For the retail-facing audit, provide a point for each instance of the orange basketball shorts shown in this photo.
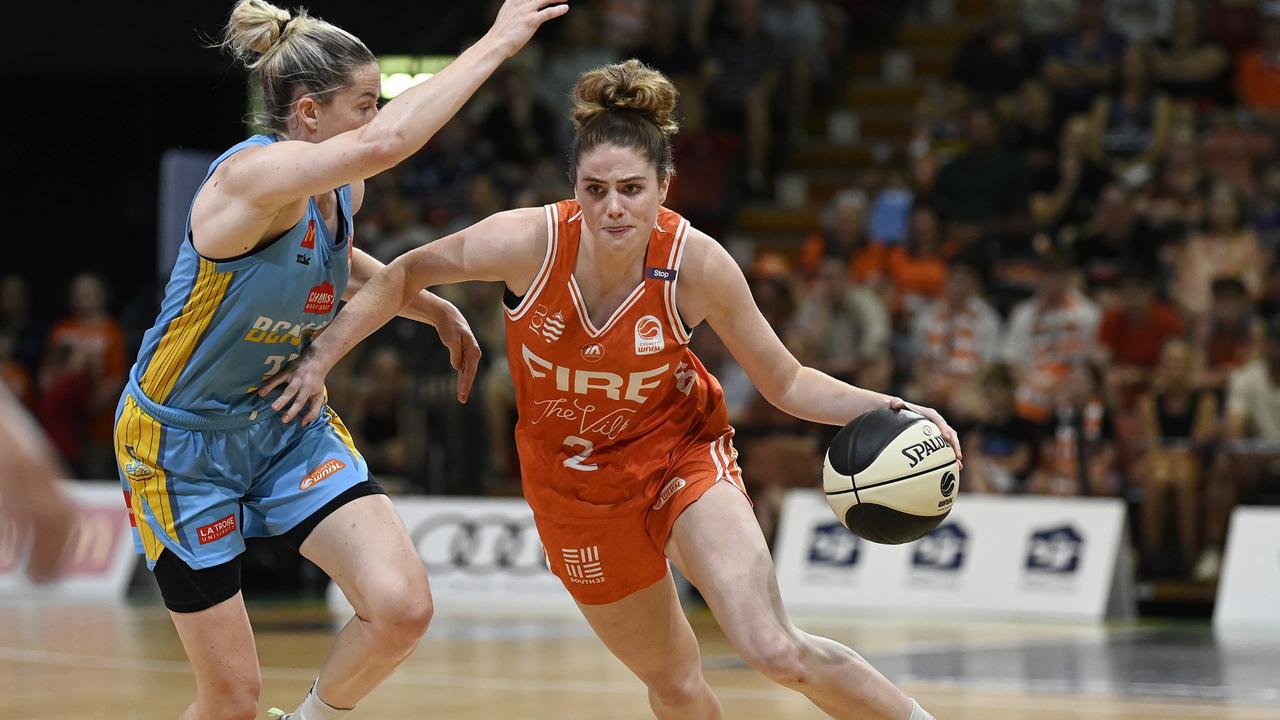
(603, 560)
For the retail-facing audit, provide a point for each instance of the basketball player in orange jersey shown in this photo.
(267, 252)
(625, 448)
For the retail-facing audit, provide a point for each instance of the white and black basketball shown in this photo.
(890, 476)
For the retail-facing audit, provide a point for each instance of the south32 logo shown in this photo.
(832, 545)
(943, 549)
(1055, 550)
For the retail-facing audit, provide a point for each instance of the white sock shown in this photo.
(313, 708)
(918, 713)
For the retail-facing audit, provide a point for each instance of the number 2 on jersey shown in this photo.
(578, 462)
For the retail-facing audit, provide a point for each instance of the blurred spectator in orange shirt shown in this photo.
(91, 341)
(916, 271)
(844, 236)
(954, 338)
(1258, 70)
(1049, 333)
(1132, 335)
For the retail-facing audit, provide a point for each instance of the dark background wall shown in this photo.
(93, 93)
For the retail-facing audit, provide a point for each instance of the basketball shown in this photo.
(890, 476)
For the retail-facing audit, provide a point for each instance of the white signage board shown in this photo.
(481, 554)
(992, 556)
(102, 557)
(1249, 590)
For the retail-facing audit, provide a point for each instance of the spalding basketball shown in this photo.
(890, 476)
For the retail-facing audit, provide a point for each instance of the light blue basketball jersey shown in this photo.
(226, 326)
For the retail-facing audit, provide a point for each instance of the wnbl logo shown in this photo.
(942, 549)
(1055, 551)
(832, 544)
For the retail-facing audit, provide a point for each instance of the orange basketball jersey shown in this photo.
(605, 411)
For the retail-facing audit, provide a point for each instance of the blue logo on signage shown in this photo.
(942, 549)
(1055, 550)
(832, 544)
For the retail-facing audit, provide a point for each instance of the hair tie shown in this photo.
(283, 24)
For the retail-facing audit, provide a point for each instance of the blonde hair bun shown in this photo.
(255, 28)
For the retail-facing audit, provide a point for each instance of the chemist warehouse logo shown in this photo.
(649, 336)
(327, 468)
(320, 299)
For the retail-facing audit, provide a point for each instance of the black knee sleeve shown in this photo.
(187, 590)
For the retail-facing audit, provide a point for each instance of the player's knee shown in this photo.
(777, 655)
(230, 698)
(413, 614)
(677, 689)
(400, 613)
(240, 708)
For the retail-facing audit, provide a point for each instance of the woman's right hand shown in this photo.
(518, 20)
(304, 392)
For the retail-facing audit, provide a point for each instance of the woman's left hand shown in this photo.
(948, 434)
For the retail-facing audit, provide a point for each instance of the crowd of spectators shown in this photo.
(1072, 254)
(1086, 287)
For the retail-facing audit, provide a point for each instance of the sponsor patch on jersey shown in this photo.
(137, 470)
(326, 468)
(551, 327)
(309, 242)
(217, 530)
(649, 336)
(320, 299)
(592, 352)
(668, 491)
(583, 565)
(658, 273)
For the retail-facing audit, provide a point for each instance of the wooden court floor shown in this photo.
(63, 661)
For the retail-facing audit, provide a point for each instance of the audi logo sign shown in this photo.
(479, 544)
(481, 554)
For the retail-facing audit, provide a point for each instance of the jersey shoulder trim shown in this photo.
(669, 287)
(548, 264)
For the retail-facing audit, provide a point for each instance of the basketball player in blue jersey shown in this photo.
(267, 254)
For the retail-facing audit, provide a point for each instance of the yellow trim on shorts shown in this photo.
(336, 423)
(137, 445)
(184, 332)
